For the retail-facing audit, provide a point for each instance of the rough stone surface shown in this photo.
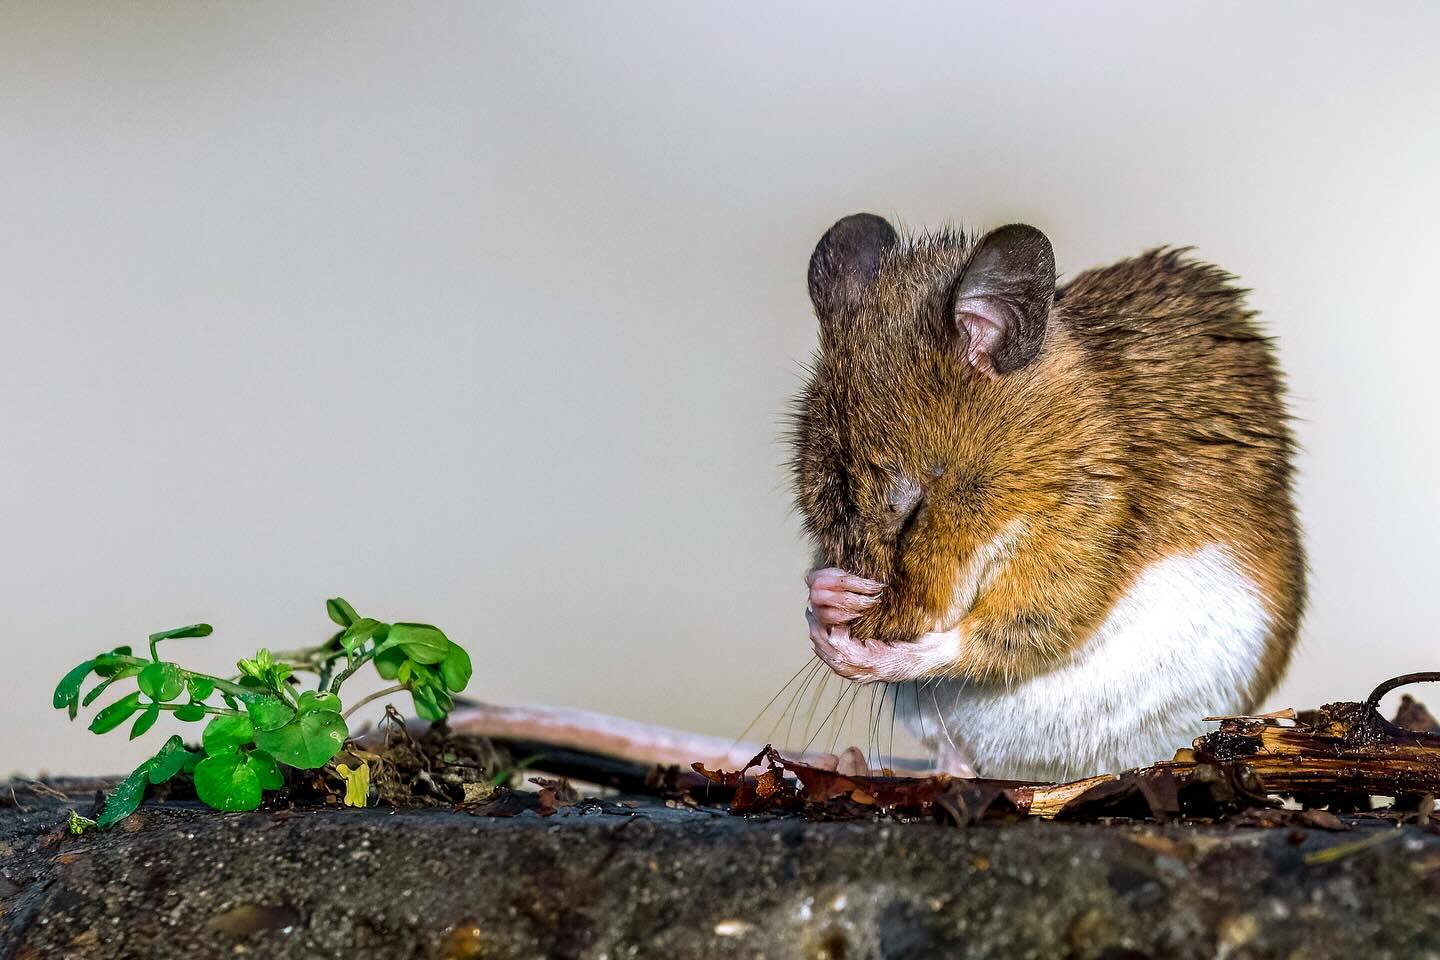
(612, 882)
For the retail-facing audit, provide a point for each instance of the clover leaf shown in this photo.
(228, 782)
(455, 669)
(420, 641)
(225, 734)
(340, 611)
(308, 741)
(269, 714)
(161, 681)
(116, 714)
(266, 770)
(122, 801)
(67, 692)
(145, 721)
(169, 761)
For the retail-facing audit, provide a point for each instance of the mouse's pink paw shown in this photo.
(874, 661)
(838, 597)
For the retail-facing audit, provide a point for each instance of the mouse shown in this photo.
(1055, 520)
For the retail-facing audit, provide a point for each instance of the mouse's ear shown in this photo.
(846, 261)
(1002, 300)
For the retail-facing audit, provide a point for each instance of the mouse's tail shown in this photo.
(598, 733)
(619, 752)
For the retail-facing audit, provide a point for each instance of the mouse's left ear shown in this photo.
(845, 263)
(1002, 300)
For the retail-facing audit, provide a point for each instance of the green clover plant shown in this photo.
(260, 721)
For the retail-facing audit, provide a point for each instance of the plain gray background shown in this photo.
(487, 314)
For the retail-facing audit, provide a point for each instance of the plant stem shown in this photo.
(397, 688)
(229, 686)
(218, 711)
(355, 664)
(220, 682)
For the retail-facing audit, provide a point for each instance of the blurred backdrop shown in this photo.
(487, 314)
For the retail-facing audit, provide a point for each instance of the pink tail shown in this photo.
(600, 733)
(631, 740)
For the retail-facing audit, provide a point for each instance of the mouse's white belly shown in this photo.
(1184, 643)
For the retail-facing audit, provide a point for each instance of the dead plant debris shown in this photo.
(435, 768)
(1277, 770)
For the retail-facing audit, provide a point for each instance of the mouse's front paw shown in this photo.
(875, 661)
(850, 658)
(837, 597)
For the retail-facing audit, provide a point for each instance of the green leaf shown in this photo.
(406, 669)
(388, 663)
(269, 714)
(431, 704)
(224, 735)
(192, 760)
(78, 824)
(227, 782)
(360, 632)
(427, 688)
(420, 641)
(266, 770)
(123, 800)
(169, 761)
(162, 681)
(455, 668)
(200, 687)
(109, 664)
(252, 691)
(259, 665)
(422, 675)
(311, 701)
(190, 712)
(103, 685)
(115, 714)
(263, 670)
(340, 611)
(145, 721)
(67, 691)
(183, 633)
(308, 741)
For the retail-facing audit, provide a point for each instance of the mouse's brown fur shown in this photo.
(1150, 424)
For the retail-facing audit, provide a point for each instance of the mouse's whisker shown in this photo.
(843, 725)
(826, 721)
(944, 727)
(872, 756)
(892, 694)
(815, 699)
(792, 706)
(792, 709)
(763, 710)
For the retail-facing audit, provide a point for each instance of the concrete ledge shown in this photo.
(609, 881)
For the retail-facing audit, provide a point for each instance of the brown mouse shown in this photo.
(1056, 520)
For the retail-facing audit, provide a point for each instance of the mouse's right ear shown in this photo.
(1003, 298)
(846, 261)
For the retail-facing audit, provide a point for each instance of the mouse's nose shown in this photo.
(902, 500)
